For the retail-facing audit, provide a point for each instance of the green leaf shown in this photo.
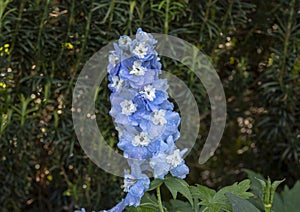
(218, 201)
(288, 199)
(255, 186)
(176, 185)
(202, 192)
(209, 199)
(154, 184)
(240, 205)
(148, 204)
(276, 183)
(239, 189)
(178, 206)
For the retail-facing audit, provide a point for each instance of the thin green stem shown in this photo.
(166, 23)
(208, 4)
(84, 43)
(70, 24)
(161, 209)
(19, 20)
(41, 28)
(268, 208)
(286, 43)
(205, 209)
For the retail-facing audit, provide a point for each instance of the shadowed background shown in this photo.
(254, 46)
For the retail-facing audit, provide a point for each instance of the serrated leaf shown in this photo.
(178, 206)
(202, 192)
(176, 185)
(154, 184)
(255, 186)
(288, 199)
(239, 189)
(240, 205)
(209, 200)
(216, 201)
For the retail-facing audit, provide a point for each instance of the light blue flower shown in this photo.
(162, 163)
(136, 73)
(144, 118)
(124, 42)
(139, 145)
(142, 36)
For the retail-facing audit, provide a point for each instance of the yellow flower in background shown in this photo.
(68, 45)
(2, 84)
(270, 62)
(4, 50)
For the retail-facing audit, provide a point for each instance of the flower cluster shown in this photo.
(144, 118)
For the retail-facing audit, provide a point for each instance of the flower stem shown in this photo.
(159, 199)
(268, 208)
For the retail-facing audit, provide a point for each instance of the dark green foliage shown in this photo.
(254, 45)
(239, 204)
(200, 198)
(211, 200)
(288, 199)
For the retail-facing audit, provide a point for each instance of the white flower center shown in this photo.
(122, 41)
(137, 68)
(159, 117)
(140, 50)
(141, 140)
(128, 107)
(149, 92)
(117, 83)
(128, 182)
(174, 159)
(113, 59)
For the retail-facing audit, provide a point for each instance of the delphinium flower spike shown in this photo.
(144, 118)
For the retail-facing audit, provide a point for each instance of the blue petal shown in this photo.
(180, 171)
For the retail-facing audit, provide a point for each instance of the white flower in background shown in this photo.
(140, 50)
(141, 139)
(137, 68)
(129, 180)
(159, 117)
(174, 159)
(128, 107)
(149, 92)
(117, 83)
(113, 58)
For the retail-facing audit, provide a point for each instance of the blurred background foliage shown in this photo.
(254, 45)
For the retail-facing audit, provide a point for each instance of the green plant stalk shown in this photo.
(131, 11)
(41, 28)
(142, 12)
(161, 209)
(208, 4)
(268, 207)
(166, 24)
(269, 189)
(70, 23)
(84, 42)
(3, 5)
(228, 12)
(109, 14)
(13, 43)
(286, 43)
(151, 14)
